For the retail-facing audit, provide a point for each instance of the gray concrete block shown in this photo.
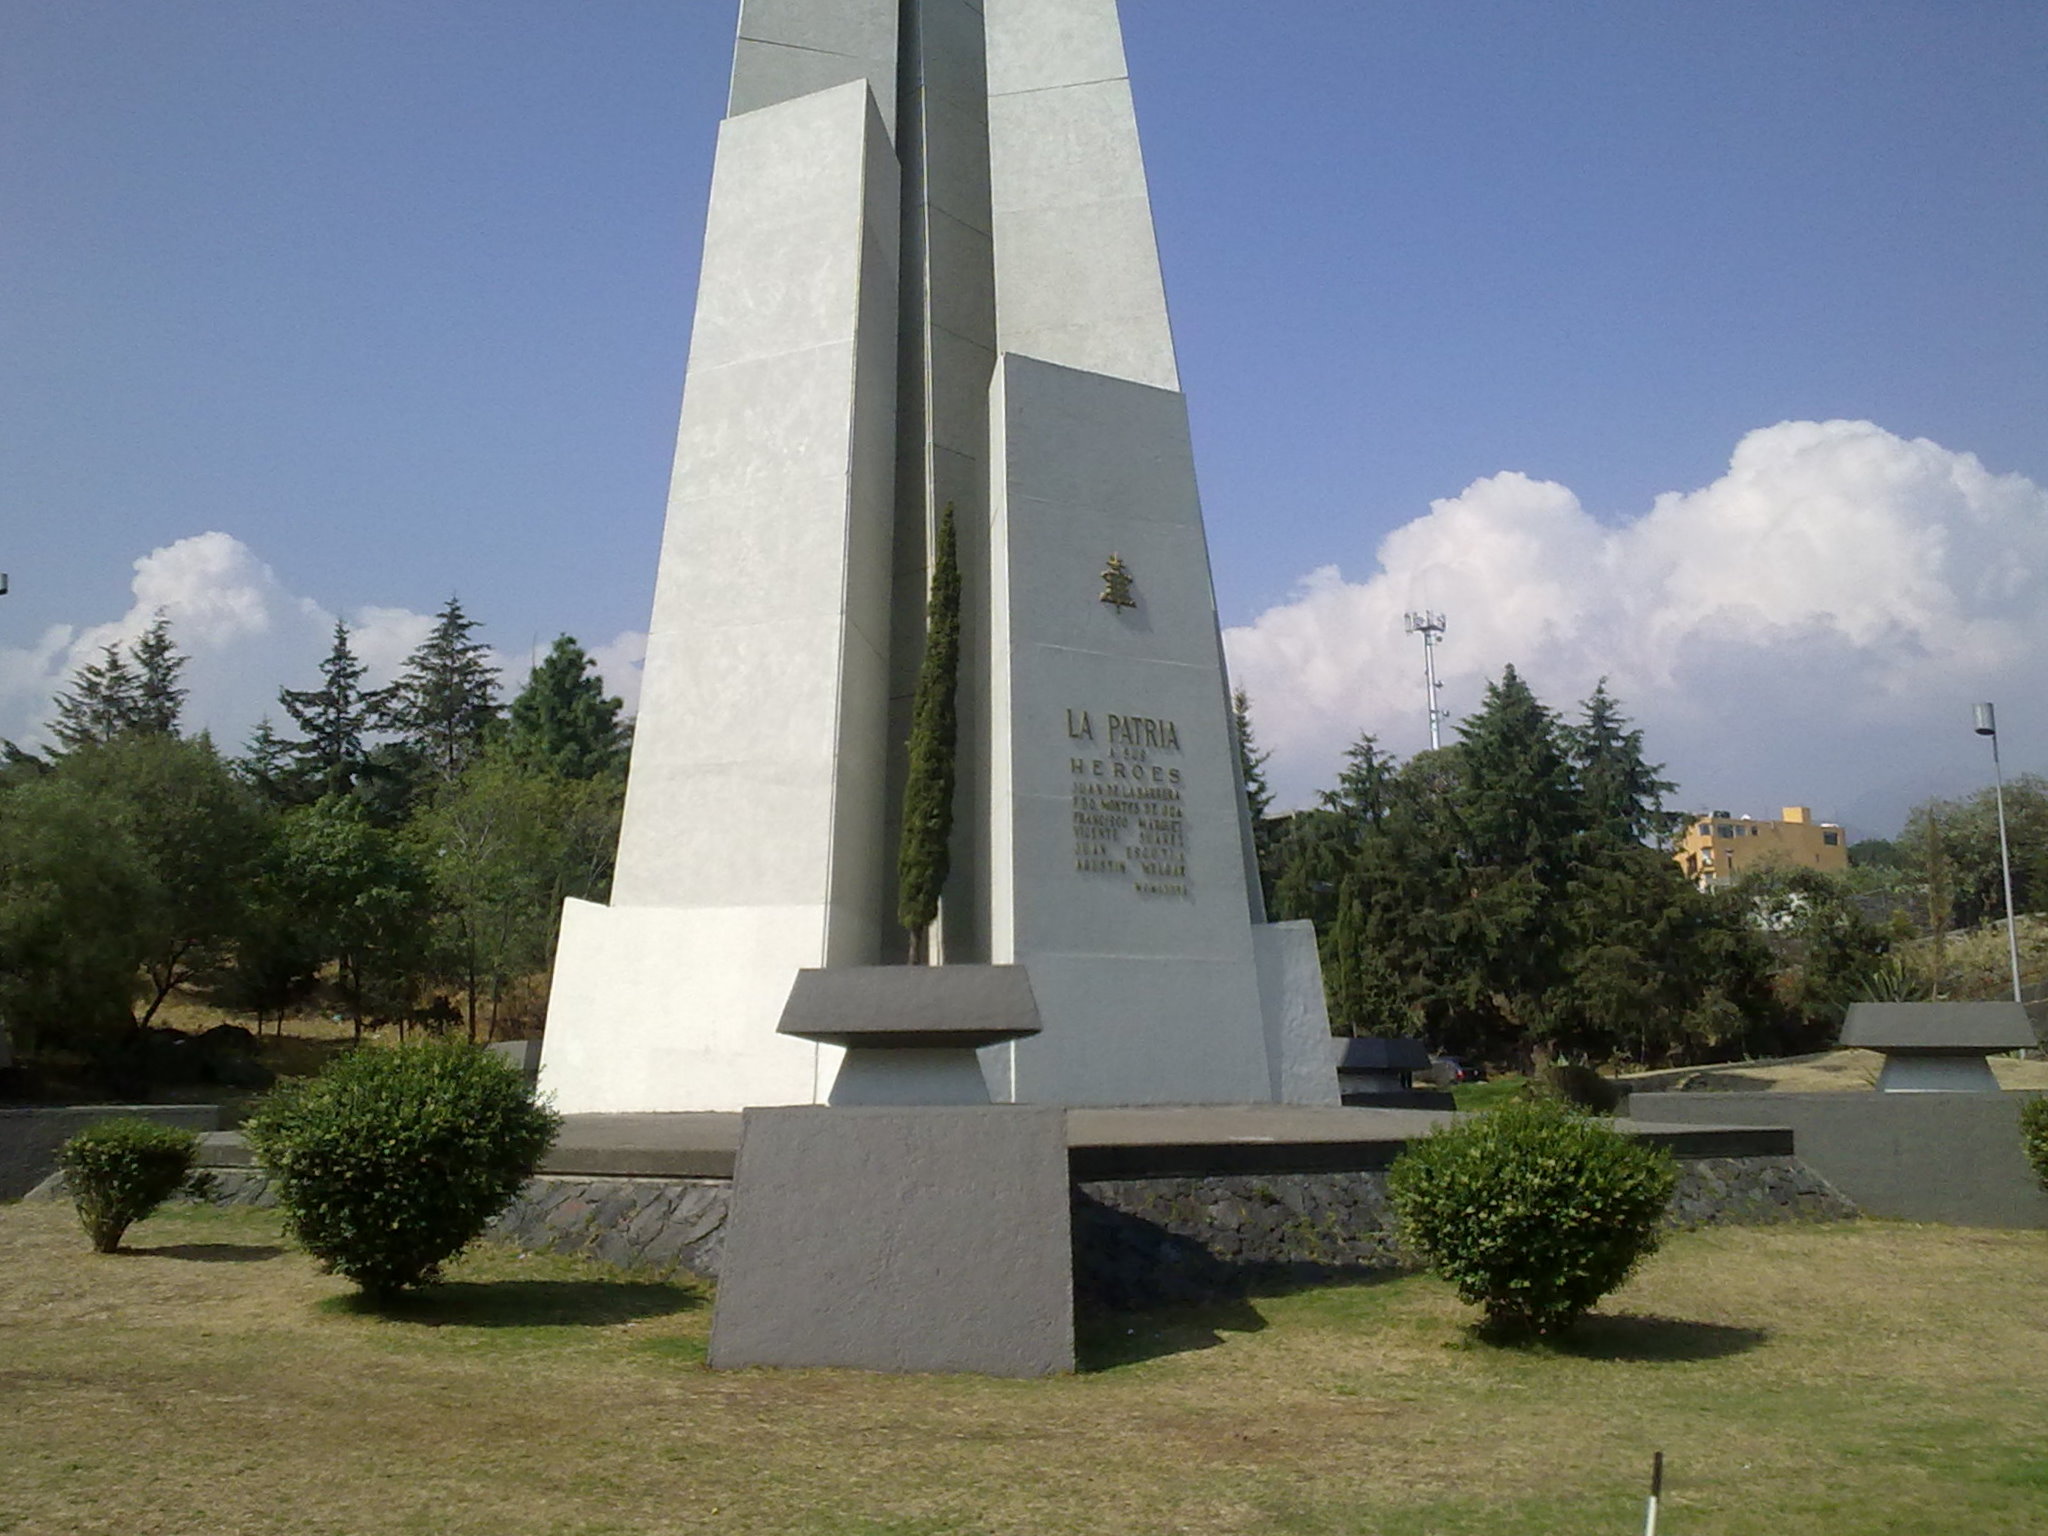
(899, 1240)
(1950, 1157)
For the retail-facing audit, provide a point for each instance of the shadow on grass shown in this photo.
(1107, 1336)
(524, 1303)
(209, 1253)
(1636, 1336)
(1104, 1340)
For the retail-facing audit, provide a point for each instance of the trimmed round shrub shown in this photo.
(2034, 1131)
(1533, 1211)
(120, 1171)
(392, 1161)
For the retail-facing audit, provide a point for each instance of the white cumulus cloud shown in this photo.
(245, 636)
(1810, 628)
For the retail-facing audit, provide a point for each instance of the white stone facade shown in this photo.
(930, 280)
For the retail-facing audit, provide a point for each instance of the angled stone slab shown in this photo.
(1078, 279)
(793, 48)
(899, 1240)
(752, 842)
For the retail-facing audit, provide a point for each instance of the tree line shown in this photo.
(392, 854)
(1512, 896)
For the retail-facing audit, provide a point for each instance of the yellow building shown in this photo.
(1719, 849)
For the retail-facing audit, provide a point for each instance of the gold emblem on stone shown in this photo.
(1116, 584)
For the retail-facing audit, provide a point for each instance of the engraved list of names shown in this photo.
(1128, 822)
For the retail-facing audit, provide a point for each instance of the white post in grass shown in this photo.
(1656, 1492)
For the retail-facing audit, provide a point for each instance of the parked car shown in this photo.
(1450, 1069)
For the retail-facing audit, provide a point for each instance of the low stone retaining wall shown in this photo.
(663, 1225)
(1137, 1242)
(31, 1135)
(1148, 1241)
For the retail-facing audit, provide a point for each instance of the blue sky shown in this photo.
(395, 299)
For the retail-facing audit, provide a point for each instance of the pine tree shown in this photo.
(105, 699)
(1363, 785)
(562, 723)
(1258, 799)
(158, 697)
(1258, 794)
(1520, 815)
(445, 702)
(1521, 804)
(1622, 793)
(265, 763)
(925, 856)
(335, 718)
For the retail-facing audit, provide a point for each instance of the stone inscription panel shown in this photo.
(1127, 778)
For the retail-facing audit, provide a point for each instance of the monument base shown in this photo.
(928, 1239)
(659, 1009)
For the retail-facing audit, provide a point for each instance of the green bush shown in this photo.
(1581, 1087)
(1533, 1211)
(392, 1161)
(2034, 1129)
(122, 1170)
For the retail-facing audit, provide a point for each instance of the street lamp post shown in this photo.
(1987, 725)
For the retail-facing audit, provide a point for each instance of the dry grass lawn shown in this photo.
(1850, 1379)
(1854, 1071)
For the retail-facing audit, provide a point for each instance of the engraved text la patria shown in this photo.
(1127, 800)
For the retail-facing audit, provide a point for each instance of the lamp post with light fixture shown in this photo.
(1987, 725)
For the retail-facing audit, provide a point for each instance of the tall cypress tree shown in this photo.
(925, 857)
(562, 722)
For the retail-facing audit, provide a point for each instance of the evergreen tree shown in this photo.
(105, 699)
(1623, 795)
(1258, 798)
(1363, 785)
(137, 691)
(445, 702)
(1258, 795)
(1521, 804)
(925, 856)
(562, 723)
(159, 699)
(265, 763)
(1520, 813)
(336, 718)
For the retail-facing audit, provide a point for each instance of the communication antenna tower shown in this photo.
(1431, 627)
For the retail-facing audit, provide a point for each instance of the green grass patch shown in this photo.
(1490, 1094)
(1857, 1379)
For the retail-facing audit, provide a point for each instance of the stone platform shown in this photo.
(1170, 1204)
(1137, 1143)
(1150, 1142)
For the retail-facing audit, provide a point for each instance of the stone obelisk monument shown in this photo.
(929, 280)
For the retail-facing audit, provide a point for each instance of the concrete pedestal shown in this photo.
(929, 1239)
